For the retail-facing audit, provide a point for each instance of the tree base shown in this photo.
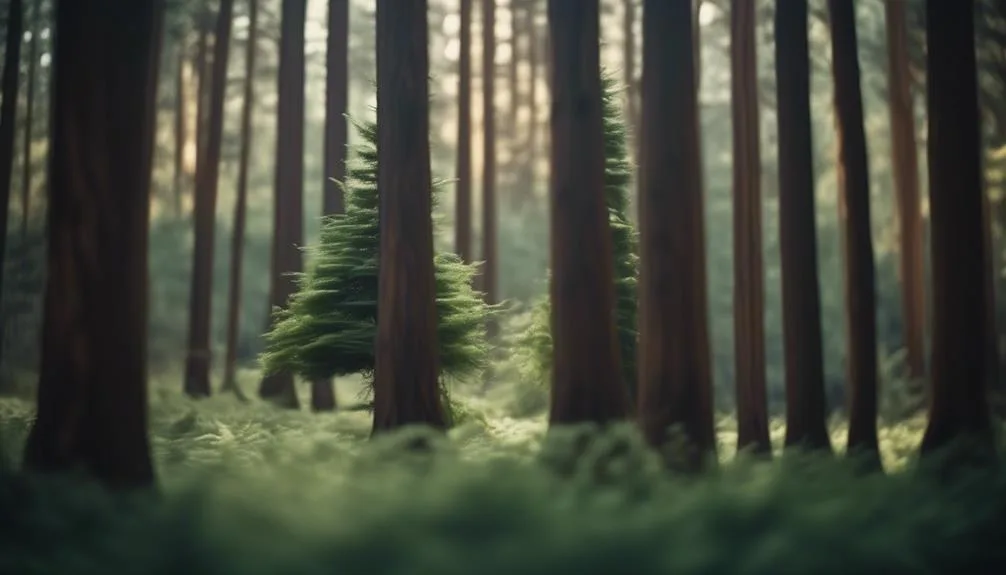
(278, 389)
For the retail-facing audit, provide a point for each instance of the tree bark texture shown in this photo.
(92, 398)
(463, 201)
(407, 371)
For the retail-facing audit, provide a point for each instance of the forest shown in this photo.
(665, 286)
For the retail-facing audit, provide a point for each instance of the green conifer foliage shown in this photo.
(536, 342)
(330, 326)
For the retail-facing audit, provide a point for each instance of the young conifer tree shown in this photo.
(328, 330)
(536, 342)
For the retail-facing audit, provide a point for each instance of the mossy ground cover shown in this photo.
(249, 489)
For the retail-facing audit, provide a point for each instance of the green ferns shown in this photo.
(536, 342)
(330, 325)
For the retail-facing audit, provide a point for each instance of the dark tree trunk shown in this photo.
(534, 51)
(959, 407)
(490, 265)
(805, 399)
(463, 202)
(204, 21)
(180, 133)
(92, 399)
(749, 282)
(336, 103)
(29, 116)
(675, 378)
(8, 117)
(854, 195)
(906, 185)
(587, 384)
(288, 218)
(197, 364)
(240, 206)
(407, 360)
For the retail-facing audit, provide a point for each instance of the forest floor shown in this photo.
(250, 489)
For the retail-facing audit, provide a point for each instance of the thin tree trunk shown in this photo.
(959, 407)
(587, 384)
(202, 66)
(906, 185)
(8, 117)
(749, 282)
(675, 374)
(805, 399)
(463, 202)
(512, 67)
(532, 95)
(407, 359)
(336, 104)
(240, 206)
(489, 254)
(29, 116)
(197, 364)
(92, 415)
(860, 275)
(180, 133)
(288, 224)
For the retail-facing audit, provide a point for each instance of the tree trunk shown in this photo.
(991, 336)
(197, 364)
(490, 265)
(906, 185)
(854, 195)
(675, 379)
(749, 282)
(587, 384)
(629, 65)
(8, 117)
(202, 66)
(240, 206)
(959, 407)
(288, 218)
(180, 133)
(407, 356)
(534, 52)
(29, 116)
(512, 67)
(336, 103)
(805, 399)
(463, 202)
(92, 400)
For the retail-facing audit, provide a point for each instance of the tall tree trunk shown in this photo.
(490, 266)
(854, 194)
(407, 355)
(749, 282)
(532, 92)
(629, 65)
(240, 205)
(805, 399)
(180, 133)
(202, 67)
(197, 364)
(29, 115)
(336, 104)
(288, 219)
(8, 117)
(675, 375)
(92, 414)
(906, 185)
(513, 65)
(463, 202)
(587, 384)
(959, 407)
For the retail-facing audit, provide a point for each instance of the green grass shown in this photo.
(249, 489)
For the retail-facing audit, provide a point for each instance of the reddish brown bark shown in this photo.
(805, 400)
(675, 377)
(959, 407)
(8, 117)
(92, 399)
(854, 194)
(749, 281)
(489, 282)
(197, 363)
(463, 201)
(586, 375)
(288, 215)
(29, 116)
(406, 389)
(181, 134)
(240, 205)
(906, 186)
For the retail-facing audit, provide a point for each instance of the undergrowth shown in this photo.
(249, 489)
